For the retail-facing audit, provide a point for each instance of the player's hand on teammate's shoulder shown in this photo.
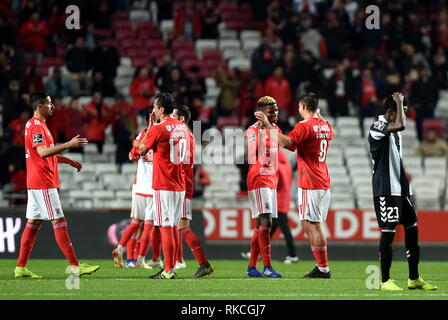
(78, 142)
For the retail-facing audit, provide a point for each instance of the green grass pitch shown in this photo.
(227, 283)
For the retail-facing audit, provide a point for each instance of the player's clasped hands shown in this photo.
(78, 142)
(398, 97)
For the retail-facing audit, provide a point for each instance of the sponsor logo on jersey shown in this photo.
(252, 137)
(37, 138)
(379, 125)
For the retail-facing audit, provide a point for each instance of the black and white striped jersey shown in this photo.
(389, 176)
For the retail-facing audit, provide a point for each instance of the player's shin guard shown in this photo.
(264, 241)
(254, 250)
(194, 244)
(321, 256)
(63, 240)
(387, 237)
(412, 250)
(146, 238)
(169, 247)
(27, 240)
(156, 242)
(130, 230)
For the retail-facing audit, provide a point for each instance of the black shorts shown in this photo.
(394, 210)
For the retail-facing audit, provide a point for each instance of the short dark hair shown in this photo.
(310, 100)
(166, 100)
(391, 105)
(38, 98)
(183, 111)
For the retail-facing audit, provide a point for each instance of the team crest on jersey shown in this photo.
(315, 128)
(379, 125)
(37, 138)
(266, 206)
(168, 128)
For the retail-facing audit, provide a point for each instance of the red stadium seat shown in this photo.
(51, 62)
(227, 5)
(227, 121)
(120, 15)
(135, 52)
(139, 61)
(145, 25)
(185, 53)
(188, 63)
(211, 54)
(111, 43)
(434, 124)
(103, 33)
(149, 34)
(154, 44)
(237, 25)
(124, 34)
(122, 25)
(157, 53)
(181, 44)
(214, 64)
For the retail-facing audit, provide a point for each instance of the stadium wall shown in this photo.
(352, 234)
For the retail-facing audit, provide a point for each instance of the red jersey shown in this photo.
(42, 173)
(284, 182)
(311, 137)
(169, 141)
(263, 158)
(189, 174)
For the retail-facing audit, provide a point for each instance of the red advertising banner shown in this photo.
(341, 225)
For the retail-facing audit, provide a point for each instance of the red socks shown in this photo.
(63, 240)
(178, 240)
(130, 247)
(320, 255)
(264, 241)
(169, 247)
(254, 250)
(130, 230)
(146, 237)
(193, 242)
(156, 242)
(29, 236)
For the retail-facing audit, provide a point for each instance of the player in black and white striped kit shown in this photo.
(392, 193)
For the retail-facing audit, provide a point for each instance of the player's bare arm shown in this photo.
(283, 140)
(75, 164)
(76, 142)
(400, 120)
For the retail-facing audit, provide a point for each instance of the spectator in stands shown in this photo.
(292, 30)
(75, 121)
(440, 66)
(275, 42)
(196, 84)
(423, 96)
(335, 34)
(210, 21)
(313, 42)
(102, 14)
(367, 96)
(16, 184)
(27, 8)
(164, 9)
(78, 58)
(34, 34)
(200, 112)
(124, 133)
(143, 87)
(177, 85)
(289, 65)
(80, 86)
(250, 92)
(97, 114)
(432, 146)
(230, 83)
(101, 84)
(16, 57)
(17, 129)
(187, 22)
(163, 72)
(90, 41)
(392, 78)
(276, 18)
(106, 60)
(340, 91)
(57, 84)
(278, 87)
(262, 60)
(33, 81)
(6, 31)
(57, 122)
(13, 102)
(121, 108)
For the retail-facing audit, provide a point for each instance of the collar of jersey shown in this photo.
(382, 118)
